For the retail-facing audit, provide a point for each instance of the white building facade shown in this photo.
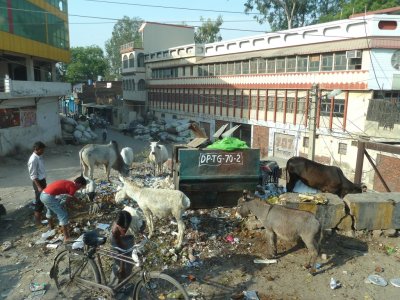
(264, 83)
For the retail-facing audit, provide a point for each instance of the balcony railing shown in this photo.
(130, 46)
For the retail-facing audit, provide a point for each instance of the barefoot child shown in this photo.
(53, 205)
(121, 240)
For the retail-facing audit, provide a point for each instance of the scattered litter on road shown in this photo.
(36, 295)
(377, 280)
(265, 261)
(6, 246)
(48, 234)
(334, 284)
(102, 226)
(33, 286)
(52, 246)
(395, 282)
(250, 295)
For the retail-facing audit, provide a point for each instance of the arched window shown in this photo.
(140, 60)
(133, 84)
(125, 62)
(131, 60)
(141, 85)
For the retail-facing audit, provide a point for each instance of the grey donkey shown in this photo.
(286, 223)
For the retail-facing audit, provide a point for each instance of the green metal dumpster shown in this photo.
(214, 178)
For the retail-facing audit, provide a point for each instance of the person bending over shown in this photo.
(53, 205)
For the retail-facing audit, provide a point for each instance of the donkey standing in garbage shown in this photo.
(286, 223)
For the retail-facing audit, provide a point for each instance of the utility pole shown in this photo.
(312, 122)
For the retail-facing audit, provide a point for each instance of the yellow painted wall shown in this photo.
(17, 44)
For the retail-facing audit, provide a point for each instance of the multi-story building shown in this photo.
(34, 36)
(267, 84)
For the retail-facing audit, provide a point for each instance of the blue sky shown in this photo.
(88, 28)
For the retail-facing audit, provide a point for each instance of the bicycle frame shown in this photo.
(96, 256)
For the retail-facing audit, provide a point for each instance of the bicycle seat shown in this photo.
(92, 239)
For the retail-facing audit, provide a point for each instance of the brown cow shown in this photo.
(327, 179)
(286, 223)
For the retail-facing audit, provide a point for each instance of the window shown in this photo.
(279, 104)
(131, 61)
(200, 70)
(133, 84)
(327, 62)
(183, 71)
(245, 67)
(314, 63)
(340, 61)
(211, 70)
(223, 68)
(238, 67)
(290, 104)
(291, 64)
(253, 66)
(125, 62)
(305, 142)
(262, 66)
(140, 60)
(271, 103)
(354, 64)
(280, 65)
(231, 68)
(302, 63)
(338, 107)
(141, 85)
(217, 69)
(342, 148)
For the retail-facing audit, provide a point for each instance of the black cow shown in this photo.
(327, 179)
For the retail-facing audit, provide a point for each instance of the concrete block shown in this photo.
(346, 224)
(329, 214)
(374, 211)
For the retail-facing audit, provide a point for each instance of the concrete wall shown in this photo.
(158, 36)
(46, 129)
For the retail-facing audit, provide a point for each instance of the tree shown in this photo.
(208, 32)
(283, 14)
(125, 31)
(86, 63)
(347, 8)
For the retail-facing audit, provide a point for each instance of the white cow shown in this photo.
(158, 156)
(127, 155)
(108, 155)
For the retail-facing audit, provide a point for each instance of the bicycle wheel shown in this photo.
(158, 286)
(70, 266)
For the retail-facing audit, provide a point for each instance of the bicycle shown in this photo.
(80, 273)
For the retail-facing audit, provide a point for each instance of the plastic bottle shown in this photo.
(333, 284)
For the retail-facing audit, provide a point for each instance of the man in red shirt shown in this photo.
(53, 205)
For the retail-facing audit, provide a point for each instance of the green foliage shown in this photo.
(286, 14)
(86, 63)
(208, 32)
(346, 8)
(283, 14)
(125, 31)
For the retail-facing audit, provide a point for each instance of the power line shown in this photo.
(173, 7)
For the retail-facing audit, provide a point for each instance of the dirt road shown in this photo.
(226, 267)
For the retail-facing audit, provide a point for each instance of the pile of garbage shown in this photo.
(78, 132)
(174, 130)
